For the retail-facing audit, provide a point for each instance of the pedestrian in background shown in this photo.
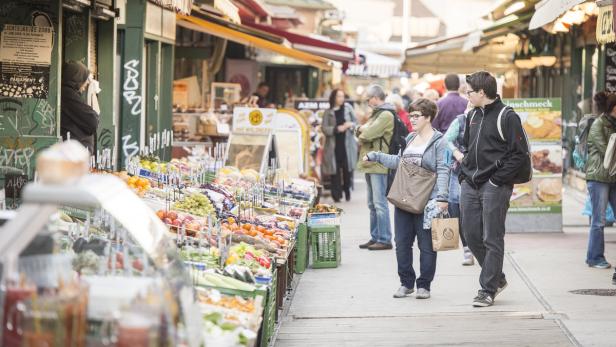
(455, 137)
(78, 118)
(601, 186)
(432, 95)
(451, 105)
(397, 101)
(375, 135)
(497, 156)
(425, 148)
(340, 148)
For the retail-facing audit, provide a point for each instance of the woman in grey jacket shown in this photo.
(340, 150)
(426, 148)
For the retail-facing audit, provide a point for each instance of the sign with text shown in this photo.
(542, 120)
(25, 60)
(251, 119)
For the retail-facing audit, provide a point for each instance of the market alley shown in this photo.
(352, 305)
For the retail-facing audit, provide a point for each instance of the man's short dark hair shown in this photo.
(452, 82)
(427, 108)
(262, 84)
(482, 80)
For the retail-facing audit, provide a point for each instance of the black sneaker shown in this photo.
(483, 299)
(501, 286)
(614, 278)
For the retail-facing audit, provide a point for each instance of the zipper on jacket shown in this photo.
(477, 147)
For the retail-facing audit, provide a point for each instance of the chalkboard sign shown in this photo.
(13, 184)
(610, 67)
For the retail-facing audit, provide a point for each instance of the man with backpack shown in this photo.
(497, 156)
(376, 135)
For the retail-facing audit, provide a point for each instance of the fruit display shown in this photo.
(196, 204)
(274, 237)
(324, 208)
(175, 221)
(139, 185)
(247, 255)
(153, 165)
(212, 279)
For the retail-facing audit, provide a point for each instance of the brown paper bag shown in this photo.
(445, 234)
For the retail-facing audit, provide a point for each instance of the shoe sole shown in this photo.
(600, 267)
(380, 249)
(402, 297)
(422, 297)
(482, 304)
(468, 264)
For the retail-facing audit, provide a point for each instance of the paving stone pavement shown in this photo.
(352, 305)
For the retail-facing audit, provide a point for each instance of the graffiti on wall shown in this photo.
(131, 92)
(28, 117)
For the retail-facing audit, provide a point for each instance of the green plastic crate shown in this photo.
(326, 248)
(301, 249)
(268, 326)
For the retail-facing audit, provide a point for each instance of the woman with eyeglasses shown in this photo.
(425, 148)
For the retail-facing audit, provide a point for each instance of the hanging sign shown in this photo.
(605, 25)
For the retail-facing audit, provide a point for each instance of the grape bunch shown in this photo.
(196, 204)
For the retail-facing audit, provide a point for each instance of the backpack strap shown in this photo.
(499, 122)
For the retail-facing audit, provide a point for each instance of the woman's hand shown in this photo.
(443, 206)
(458, 155)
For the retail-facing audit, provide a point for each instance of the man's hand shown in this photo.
(341, 128)
(443, 206)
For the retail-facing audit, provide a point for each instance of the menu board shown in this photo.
(542, 120)
(249, 151)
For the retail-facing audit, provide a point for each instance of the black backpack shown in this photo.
(396, 145)
(525, 173)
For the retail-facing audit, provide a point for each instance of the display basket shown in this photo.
(326, 246)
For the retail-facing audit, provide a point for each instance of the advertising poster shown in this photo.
(25, 61)
(542, 120)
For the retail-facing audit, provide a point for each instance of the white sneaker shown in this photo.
(403, 292)
(422, 293)
(469, 260)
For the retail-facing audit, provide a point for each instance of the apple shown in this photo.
(176, 223)
(167, 221)
(172, 215)
(188, 219)
(137, 265)
(161, 214)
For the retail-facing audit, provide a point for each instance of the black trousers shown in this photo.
(341, 180)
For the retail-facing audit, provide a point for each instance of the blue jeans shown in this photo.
(600, 194)
(409, 226)
(380, 227)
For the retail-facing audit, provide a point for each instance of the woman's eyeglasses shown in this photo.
(415, 115)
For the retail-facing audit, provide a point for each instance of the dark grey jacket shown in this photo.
(328, 165)
(432, 160)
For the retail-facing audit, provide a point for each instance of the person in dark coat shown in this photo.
(77, 117)
(340, 150)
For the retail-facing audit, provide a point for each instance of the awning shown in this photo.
(243, 38)
(549, 10)
(375, 65)
(330, 50)
(448, 57)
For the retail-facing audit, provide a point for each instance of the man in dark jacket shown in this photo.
(77, 117)
(493, 158)
(450, 106)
